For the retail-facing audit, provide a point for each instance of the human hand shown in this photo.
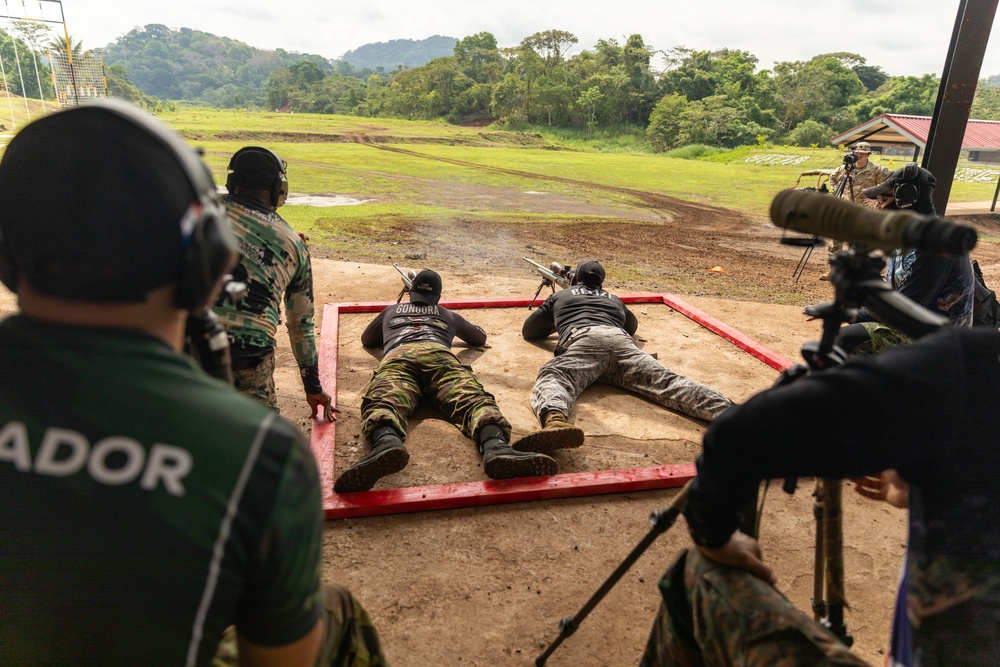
(741, 551)
(322, 399)
(888, 487)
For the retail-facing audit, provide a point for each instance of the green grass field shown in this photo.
(340, 155)
(326, 155)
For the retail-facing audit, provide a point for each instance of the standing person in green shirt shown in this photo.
(147, 507)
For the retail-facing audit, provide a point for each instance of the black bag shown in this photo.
(985, 309)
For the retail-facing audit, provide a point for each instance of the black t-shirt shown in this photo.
(575, 307)
(146, 505)
(419, 322)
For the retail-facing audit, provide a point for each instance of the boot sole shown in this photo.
(511, 467)
(363, 474)
(548, 441)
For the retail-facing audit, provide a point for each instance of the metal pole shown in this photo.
(963, 62)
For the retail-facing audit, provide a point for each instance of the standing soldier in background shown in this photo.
(864, 174)
(275, 267)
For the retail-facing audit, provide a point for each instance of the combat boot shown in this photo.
(556, 433)
(501, 461)
(388, 456)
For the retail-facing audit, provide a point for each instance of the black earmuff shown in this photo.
(8, 272)
(278, 187)
(209, 246)
(907, 188)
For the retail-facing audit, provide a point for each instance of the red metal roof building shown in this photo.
(982, 137)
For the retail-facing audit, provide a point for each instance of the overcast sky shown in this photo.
(909, 38)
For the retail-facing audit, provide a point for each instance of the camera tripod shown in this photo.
(846, 184)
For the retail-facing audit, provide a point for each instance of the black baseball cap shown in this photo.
(589, 272)
(93, 201)
(908, 173)
(426, 287)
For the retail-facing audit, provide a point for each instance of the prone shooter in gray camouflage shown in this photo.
(418, 363)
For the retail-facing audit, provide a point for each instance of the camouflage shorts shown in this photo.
(349, 638)
(880, 338)
(717, 615)
(414, 371)
(258, 382)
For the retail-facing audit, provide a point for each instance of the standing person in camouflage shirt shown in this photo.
(595, 345)
(417, 362)
(927, 411)
(276, 269)
(863, 174)
(147, 507)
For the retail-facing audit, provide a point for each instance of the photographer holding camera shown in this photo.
(861, 174)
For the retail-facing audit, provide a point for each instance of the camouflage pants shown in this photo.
(349, 638)
(258, 382)
(428, 370)
(870, 338)
(609, 355)
(716, 615)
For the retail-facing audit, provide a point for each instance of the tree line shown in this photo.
(719, 97)
(679, 97)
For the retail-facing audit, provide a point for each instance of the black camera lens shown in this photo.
(850, 158)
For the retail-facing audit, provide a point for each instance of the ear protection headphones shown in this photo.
(907, 188)
(8, 274)
(209, 247)
(278, 187)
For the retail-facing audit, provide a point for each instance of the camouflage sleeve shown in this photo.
(837, 174)
(299, 309)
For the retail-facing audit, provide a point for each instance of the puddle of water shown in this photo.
(324, 200)
(317, 200)
(534, 192)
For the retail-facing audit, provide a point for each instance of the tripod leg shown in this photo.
(819, 564)
(833, 545)
(661, 520)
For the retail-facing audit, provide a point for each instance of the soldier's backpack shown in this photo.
(985, 309)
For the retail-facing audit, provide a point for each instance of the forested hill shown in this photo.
(199, 67)
(406, 52)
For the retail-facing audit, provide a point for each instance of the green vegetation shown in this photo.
(614, 97)
(198, 67)
(417, 170)
(400, 53)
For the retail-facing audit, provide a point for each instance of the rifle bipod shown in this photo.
(660, 521)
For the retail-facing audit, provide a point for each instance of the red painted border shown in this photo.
(470, 494)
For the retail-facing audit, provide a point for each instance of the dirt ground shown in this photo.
(488, 585)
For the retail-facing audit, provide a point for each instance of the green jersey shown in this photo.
(146, 505)
(276, 269)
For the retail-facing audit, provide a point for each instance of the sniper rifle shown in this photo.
(554, 274)
(407, 281)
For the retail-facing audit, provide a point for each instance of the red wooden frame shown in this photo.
(468, 494)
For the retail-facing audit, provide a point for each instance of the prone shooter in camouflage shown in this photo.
(276, 268)
(417, 363)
